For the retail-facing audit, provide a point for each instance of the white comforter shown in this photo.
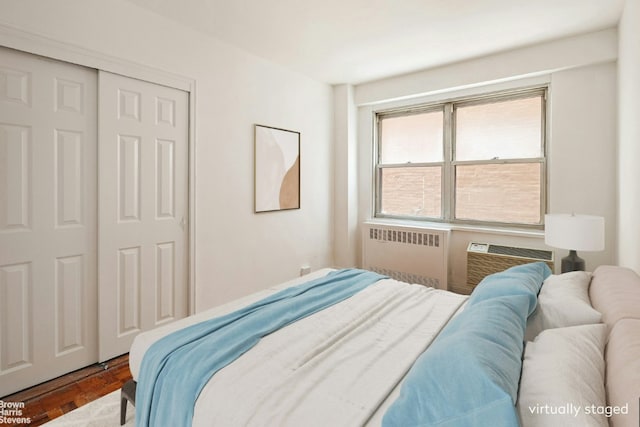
(337, 367)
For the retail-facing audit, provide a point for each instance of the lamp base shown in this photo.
(572, 262)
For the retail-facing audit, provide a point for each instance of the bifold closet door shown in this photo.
(48, 228)
(143, 202)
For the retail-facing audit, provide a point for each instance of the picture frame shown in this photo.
(277, 169)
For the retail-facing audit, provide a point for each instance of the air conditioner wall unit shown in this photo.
(484, 259)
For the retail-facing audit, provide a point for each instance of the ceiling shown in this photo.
(354, 41)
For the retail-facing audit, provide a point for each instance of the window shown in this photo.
(476, 160)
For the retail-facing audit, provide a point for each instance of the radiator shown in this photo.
(410, 254)
(484, 259)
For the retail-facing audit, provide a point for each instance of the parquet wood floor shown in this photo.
(54, 398)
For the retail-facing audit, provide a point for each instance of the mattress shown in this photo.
(423, 312)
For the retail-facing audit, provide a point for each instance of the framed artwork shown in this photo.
(277, 169)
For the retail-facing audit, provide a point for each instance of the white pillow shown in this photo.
(563, 301)
(562, 381)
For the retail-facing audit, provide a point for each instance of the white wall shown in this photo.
(581, 73)
(583, 150)
(536, 60)
(237, 251)
(346, 240)
(629, 137)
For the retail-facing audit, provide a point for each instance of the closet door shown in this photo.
(143, 205)
(48, 229)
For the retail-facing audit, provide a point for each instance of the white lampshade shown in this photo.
(574, 232)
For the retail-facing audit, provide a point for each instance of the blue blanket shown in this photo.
(469, 375)
(176, 368)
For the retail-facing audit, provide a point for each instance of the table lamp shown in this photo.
(575, 233)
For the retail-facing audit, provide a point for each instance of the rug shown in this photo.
(104, 412)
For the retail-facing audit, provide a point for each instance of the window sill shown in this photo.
(502, 231)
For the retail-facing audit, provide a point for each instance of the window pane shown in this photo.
(411, 191)
(499, 192)
(415, 138)
(504, 130)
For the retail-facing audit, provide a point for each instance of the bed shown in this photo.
(395, 354)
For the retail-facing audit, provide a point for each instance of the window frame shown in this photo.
(449, 163)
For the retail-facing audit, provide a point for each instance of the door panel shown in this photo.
(48, 228)
(143, 205)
